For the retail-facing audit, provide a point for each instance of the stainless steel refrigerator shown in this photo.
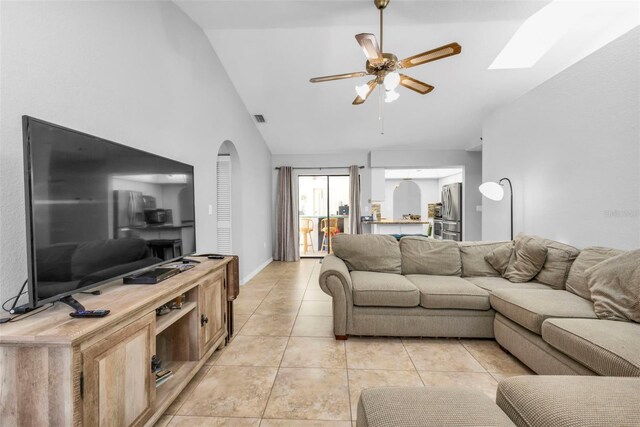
(129, 210)
(452, 211)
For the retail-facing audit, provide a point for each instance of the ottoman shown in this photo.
(570, 401)
(430, 406)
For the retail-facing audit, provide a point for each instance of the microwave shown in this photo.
(155, 216)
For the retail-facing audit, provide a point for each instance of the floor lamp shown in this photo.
(494, 191)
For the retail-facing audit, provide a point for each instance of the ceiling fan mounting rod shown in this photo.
(381, 30)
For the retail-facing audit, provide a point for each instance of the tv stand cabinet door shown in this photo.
(119, 387)
(211, 309)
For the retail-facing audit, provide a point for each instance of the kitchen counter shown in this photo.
(398, 226)
(396, 221)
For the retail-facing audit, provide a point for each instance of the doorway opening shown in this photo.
(323, 212)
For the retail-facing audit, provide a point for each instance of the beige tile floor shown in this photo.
(284, 368)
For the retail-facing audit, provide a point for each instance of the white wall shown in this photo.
(428, 194)
(572, 149)
(137, 72)
(451, 179)
(469, 161)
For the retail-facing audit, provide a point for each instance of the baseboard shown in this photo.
(250, 276)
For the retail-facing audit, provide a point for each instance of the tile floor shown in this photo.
(284, 368)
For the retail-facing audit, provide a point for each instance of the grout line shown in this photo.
(413, 363)
(346, 362)
(474, 357)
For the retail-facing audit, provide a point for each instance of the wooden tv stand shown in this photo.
(60, 371)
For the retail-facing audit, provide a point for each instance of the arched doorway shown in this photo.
(228, 199)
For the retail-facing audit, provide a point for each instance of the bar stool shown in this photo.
(306, 227)
(160, 247)
(329, 232)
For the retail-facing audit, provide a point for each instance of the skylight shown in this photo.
(600, 21)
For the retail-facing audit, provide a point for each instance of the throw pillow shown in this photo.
(577, 281)
(527, 259)
(473, 256)
(615, 287)
(499, 257)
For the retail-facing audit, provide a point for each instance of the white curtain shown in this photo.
(287, 246)
(354, 200)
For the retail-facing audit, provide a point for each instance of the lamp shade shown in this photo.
(492, 190)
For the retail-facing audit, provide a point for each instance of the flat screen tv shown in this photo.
(98, 211)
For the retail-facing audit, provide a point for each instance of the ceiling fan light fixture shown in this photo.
(390, 96)
(363, 90)
(391, 80)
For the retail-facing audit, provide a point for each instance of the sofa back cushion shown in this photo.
(473, 262)
(615, 287)
(54, 262)
(93, 256)
(527, 258)
(368, 252)
(421, 255)
(576, 280)
(556, 267)
(499, 257)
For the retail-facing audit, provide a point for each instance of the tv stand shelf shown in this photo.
(97, 371)
(163, 322)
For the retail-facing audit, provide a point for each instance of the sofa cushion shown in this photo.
(383, 290)
(368, 252)
(499, 257)
(527, 258)
(556, 266)
(576, 280)
(428, 406)
(615, 287)
(531, 307)
(568, 401)
(493, 283)
(606, 347)
(472, 256)
(449, 292)
(421, 255)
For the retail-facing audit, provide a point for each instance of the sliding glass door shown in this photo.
(323, 207)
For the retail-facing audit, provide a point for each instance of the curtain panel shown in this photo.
(287, 238)
(354, 200)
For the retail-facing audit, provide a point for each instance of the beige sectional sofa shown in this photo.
(427, 288)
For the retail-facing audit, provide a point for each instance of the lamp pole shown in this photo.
(510, 200)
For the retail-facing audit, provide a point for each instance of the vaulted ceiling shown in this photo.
(270, 49)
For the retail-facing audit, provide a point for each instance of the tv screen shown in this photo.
(98, 210)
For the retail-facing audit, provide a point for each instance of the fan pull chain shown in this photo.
(380, 109)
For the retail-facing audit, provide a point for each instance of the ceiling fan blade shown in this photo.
(415, 85)
(337, 77)
(431, 55)
(372, 85)
(370, 46)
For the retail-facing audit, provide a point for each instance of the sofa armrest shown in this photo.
(335, 281)
(334, 266)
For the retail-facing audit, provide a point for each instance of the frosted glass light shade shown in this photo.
(391, 95)
(391, 80)
(492, 190)
(363, 90)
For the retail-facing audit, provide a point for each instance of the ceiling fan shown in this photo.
(384, 67)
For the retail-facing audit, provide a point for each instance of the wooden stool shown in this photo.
(306, 227)
(329, 232)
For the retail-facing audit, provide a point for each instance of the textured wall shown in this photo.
(138, 73)
(572, 149)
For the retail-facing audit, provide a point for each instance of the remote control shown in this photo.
(216, 257)
(90, 313)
